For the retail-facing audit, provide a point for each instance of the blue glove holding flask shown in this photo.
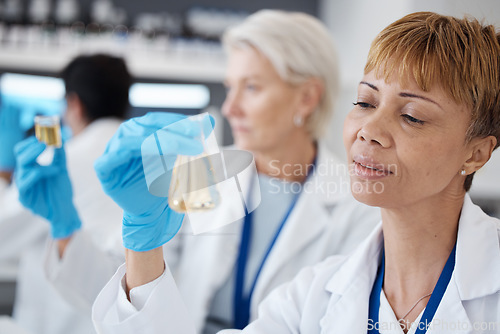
(123, 169)
(46, 190)
(16, 118)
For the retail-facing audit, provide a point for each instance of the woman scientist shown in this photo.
(427, 117)
(281, 84)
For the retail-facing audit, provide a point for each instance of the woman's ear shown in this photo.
(311, 93)
(481, 149)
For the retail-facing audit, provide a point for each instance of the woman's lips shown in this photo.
(239, 129)
(370, 170)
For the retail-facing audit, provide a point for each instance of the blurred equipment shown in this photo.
(39, 11)
(67, 11)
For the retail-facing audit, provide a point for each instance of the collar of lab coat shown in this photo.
(478, 258)
(476, 273)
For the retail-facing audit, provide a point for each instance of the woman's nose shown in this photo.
(375, 130)
(231, 104)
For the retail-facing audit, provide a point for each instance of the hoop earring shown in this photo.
(298, 121)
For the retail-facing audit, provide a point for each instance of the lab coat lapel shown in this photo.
(348, 313)
(347, 310)
(478, 259)
(476, 273)
(450, 315)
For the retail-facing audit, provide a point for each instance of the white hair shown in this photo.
(299, 47)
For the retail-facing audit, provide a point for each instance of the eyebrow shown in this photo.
(246, 78)
(369, 85)
(403, 94)
(419, 97)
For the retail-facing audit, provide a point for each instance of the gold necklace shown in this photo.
(414, 305)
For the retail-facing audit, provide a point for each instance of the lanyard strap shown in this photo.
(241, 302)
(374, 306)
(432, 305)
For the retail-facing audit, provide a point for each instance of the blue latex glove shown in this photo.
(148, 222)
(10, 134)
(46, 190)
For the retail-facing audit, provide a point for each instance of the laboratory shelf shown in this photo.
(162, 65)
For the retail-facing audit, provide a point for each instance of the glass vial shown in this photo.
(193, 185)
(48, 130)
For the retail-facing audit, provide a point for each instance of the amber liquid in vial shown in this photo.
(49, 134)
(192, 188)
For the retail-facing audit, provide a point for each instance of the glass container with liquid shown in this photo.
(48, 130)
(193, 187)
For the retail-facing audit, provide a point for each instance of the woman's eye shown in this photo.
(412, 120)
(251, 87)
(363, 105)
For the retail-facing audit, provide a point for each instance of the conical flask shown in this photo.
(193, 186)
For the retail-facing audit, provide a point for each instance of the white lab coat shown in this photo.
(324, 222)
(38, 306)
(332, 297)
(18, 228)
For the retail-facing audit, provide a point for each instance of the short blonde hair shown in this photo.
(460, 55)
(299, 47)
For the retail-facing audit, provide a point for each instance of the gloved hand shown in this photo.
(10, 134)
(148, 222)
(46, 190)
(16, 117)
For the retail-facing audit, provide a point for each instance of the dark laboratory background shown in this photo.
(39, 36)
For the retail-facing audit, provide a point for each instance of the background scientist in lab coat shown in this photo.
(281, 85)
(97, 99)
(426, 118)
